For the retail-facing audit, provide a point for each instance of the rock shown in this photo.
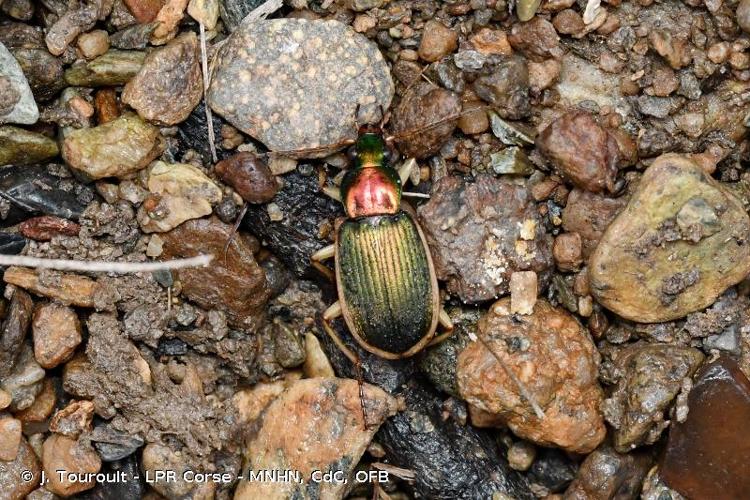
(491, 42)
(157, 457)
(116, 149)
(43, 405)
(105, 104)
(71, 289)
(679, 243)
(17, 103)
(506, 89)
(511, 161)
(307, 220)
(134, 37)
(705, 456)
(521, 455)
(437, 41)
(239, 286)
(511, 134)
(57, 333)
(74, 21)
(652, 377)
(543, 75)
(116, 67)
(232, 12)
(568, 22)
(607, 474)
(93, 44)
(588, 215)
(328, 412)
(526, 9)
(552, 469)
(15, 487)
(10, 438)
(316, 362)
(582, 151)
(567, 391)
(24, 382)
(13, 330)
(144, 11)
(743, 15)
(179, 192)
(112, 444)
(326, 73)
(169, 84)
(289, 348)
(71, 456)
(74, 419)
(131, 484)
(11, 244)
(205, 12)
(482, 232)
(167, 20)
(523, 292)
(22, 147)
(567, 251)
(193, 135)
(5, 399)
(424, 119)
(473, 123)
(43, 71)
(536, 39)
(45, 227)
(438, 363)
(249, 176)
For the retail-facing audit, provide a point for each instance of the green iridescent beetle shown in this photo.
(387, 288)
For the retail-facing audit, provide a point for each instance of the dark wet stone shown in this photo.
(608, 474)
(133, 37)
(552, 469)
(11, 243)
(708, 455)
(193, 134)
(507, 89)
(112, 444)
(305, 211)
(33, 190)
(132, 486)
(232, 12)
(277, 275)
(171, 347)
(43, 71)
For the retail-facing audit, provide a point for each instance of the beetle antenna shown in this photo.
(360, 383)
(521, 386)
(234, 231)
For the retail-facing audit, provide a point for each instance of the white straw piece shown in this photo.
(103, 266)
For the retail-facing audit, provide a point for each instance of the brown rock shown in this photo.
(144, 11)
(506, 88)
(491, 42)
(665, 82)
(567, 251)
(677, 246)
(62, 453)
(482, 232)
(105, 104)
(706, 457)
(437, 41)
(652, 377)
(473, 122)
(14, 487)
(424, 119)
(5, 399)
(523, 291)
(566, 390)
(536, 39)
(249, 175)
(239, 286)
(327, 413)
(606, 474)
(74, 419)
(43, 404)
(157, 457)
(544, 74)
(10, 438)
(588, 215)
(582, 151)
(169, 84)
(69, 289)
(45, 227)
(93, 44)
(675, 49)
(568, 22)
(57, 333)
(13, 330)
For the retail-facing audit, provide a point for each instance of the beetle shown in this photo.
(385, 278)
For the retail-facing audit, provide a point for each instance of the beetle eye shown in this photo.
(351, 153)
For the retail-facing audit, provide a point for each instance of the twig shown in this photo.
(103, 266)
(262, 11)
(521, 386)
(412, 194)
(209, 117)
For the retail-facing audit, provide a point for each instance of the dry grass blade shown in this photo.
(399, 472)
(209, 118)
(103, 266)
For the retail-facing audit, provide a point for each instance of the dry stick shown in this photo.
(262, 11)
(103, 266)
(209, 118)
(521, 387)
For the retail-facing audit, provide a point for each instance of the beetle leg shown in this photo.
(445, 321)
(329, 315)
(333, 191)
(405, 170)
(324, 253)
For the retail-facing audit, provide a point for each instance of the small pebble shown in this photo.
(567, 251)
(437, 41)
(57, 333)
(521, 455)
(93, 44)
(523, 292)
(10, 438)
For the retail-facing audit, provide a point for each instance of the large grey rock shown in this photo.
(295, 84)
(16, 100)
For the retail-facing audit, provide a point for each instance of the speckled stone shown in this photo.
(16, 101)
(294, 84)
